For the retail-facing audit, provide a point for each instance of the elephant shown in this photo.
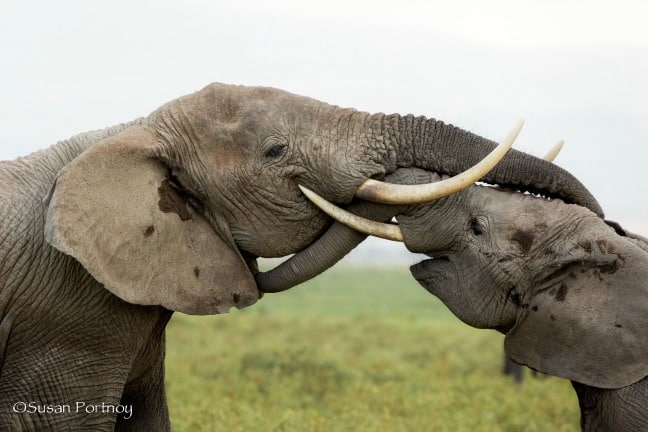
(567, 288)
(108, 233)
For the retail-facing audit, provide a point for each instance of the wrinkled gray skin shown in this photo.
(569, 291)
(104, 235)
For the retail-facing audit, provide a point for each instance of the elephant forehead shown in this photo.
(235, 102)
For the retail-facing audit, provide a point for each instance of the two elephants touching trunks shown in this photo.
(106, 234)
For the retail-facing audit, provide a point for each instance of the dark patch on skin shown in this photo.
(618, 325)
(610, 268)
(534, 308)
(148, 232)
(171, 201)
(236, 297)
(562, 292)
(197, 272)
(572, 275)
(505, 259)
(524, 239)
(553, 317)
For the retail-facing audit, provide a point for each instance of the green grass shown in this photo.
(357, 349)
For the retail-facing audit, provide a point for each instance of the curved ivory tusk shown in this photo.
(551, 154)
(373, 190)
(366, 226)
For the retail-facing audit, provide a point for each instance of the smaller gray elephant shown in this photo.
(569, 290)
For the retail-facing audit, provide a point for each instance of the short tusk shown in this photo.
(373, 190)
(366, 226)
(553, 153)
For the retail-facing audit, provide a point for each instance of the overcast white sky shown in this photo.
(573, 69)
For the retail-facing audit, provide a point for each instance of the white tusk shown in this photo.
(366, 226)
(373, 190)
(553, 153)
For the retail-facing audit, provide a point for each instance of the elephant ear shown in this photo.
(590, 324)
(115, 210)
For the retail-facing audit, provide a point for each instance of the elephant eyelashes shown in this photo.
(276, 151)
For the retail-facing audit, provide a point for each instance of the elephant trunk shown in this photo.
(322, 254)
(330, 248)
(435, 146)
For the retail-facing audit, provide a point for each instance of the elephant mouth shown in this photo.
(425, 271)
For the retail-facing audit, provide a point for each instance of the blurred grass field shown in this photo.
(356, 349)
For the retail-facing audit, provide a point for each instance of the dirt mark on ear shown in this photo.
(172, 202)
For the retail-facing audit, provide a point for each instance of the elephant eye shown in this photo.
(276, 151)
(477, 226)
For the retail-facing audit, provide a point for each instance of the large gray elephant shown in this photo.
(105, 234)
(567, 288)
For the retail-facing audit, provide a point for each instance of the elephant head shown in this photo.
(174, 209)
(567, 289)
